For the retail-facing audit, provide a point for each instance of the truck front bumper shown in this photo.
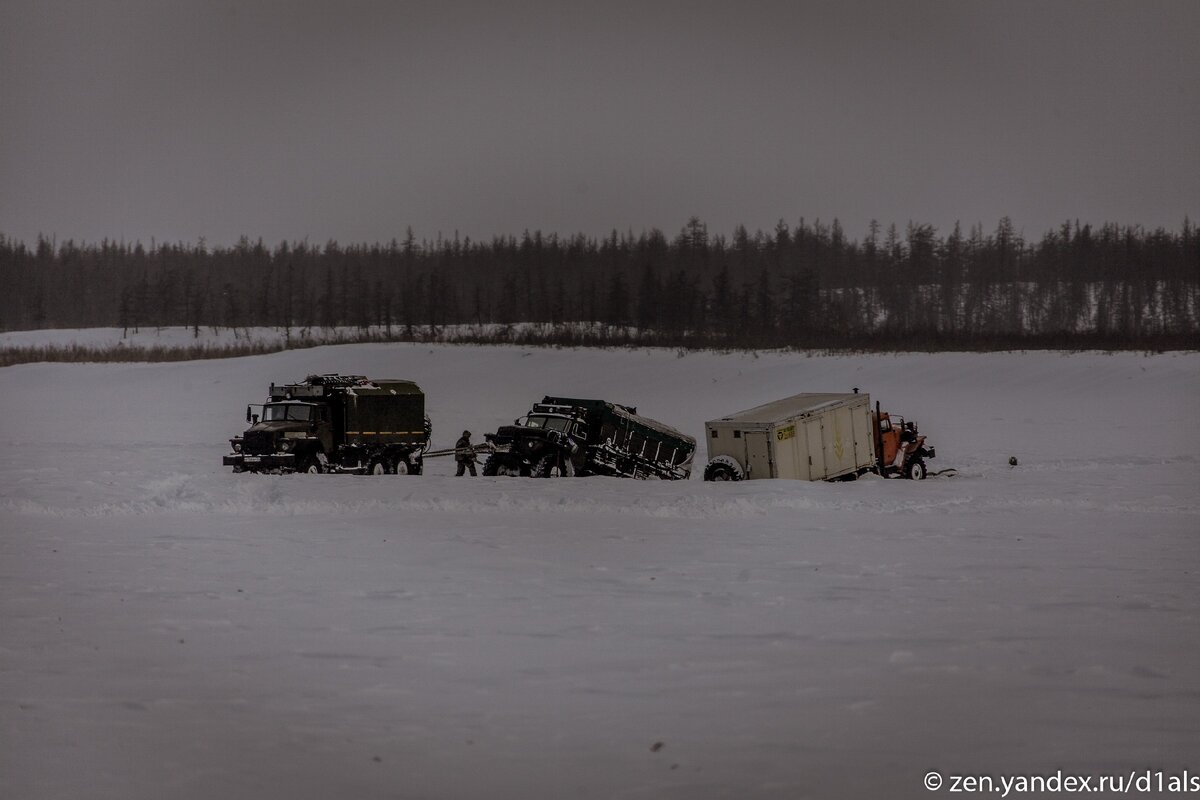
(269, 461)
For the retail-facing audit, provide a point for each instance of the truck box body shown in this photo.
(392, 413)
(810, 437)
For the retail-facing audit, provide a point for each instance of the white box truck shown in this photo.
(808, 437)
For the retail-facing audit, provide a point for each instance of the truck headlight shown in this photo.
(237, 447)
(286, 445)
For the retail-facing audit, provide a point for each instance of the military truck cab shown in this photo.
(547, 442)
(282, 436)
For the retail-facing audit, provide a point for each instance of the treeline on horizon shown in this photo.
(807, 286)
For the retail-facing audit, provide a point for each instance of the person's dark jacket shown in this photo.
(463, 443)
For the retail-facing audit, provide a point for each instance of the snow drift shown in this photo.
(172, 629)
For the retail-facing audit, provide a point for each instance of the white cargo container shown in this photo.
(808, 437)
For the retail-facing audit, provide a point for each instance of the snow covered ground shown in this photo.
(169, 629)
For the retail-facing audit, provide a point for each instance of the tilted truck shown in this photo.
(813, 437)
(335, 423)
(566, 436)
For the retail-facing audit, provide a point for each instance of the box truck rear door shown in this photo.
(758, 454)
(816, 449)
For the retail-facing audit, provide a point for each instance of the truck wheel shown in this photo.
(377, 467)
(310, 465)
(496, 465)
(550, 466)
(723, 468)
(915, 470)
(402, 467)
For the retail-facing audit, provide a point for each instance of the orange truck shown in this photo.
(814, 436)
(900, 449)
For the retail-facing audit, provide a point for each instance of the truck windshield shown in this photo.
(282, 411)
(549, 423)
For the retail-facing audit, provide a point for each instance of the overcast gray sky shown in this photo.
(353, 120)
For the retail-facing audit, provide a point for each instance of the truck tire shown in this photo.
(401, 467)
(310, 465)
(498, 465)
(915, 470)
(724, 468)
(552, 465)
(377, 467)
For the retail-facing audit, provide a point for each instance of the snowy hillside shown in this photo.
(178, 337)
(173, 630)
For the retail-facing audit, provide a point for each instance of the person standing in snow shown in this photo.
(465, 455)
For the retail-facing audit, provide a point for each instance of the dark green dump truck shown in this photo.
(567, 436)
(335, 423)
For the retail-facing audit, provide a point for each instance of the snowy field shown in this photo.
(171, 630)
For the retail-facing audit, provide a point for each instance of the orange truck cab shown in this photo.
(900, 451)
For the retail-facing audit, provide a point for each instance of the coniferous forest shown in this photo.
(806, 285)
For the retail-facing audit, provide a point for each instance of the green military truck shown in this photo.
(567, 436)
(336, 423)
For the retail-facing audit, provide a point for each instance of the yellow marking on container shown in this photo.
(785, 433)
(838, 447)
